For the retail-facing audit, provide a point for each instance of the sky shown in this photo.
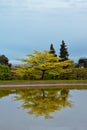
(28, 25)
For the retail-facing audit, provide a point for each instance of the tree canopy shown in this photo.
(52, 50)
(40, 63)
(82, 62)
(4, 60)
(63, 51)
(5, 73)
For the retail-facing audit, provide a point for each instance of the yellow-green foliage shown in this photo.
(74, 73)
(39, 63)
(42, 102)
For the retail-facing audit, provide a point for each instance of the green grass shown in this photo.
(41, 81)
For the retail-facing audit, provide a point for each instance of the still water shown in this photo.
(43, 109)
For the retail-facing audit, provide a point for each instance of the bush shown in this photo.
(80, 73)
(5, 73)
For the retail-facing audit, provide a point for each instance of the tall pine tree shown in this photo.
(52, 50)
(63, 51)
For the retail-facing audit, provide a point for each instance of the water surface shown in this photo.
(39, 109)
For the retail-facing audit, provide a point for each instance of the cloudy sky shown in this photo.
(28, 25)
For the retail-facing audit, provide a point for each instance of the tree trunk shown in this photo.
(43, 92)
(43, 72)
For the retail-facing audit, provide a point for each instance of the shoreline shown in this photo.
(31, 85)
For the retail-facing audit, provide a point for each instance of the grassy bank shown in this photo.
(40, 81)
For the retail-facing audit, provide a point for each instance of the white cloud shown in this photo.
(15, 62)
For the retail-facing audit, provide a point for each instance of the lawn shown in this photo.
(40, 81)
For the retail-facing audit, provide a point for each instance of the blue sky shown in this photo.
(28, 25)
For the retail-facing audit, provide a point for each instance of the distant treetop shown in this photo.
(52, 50)
(63, 51)
(4, 60)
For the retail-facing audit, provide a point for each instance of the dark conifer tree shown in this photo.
(52, 50)
(63, 51)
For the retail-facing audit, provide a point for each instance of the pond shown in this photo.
(43, 109)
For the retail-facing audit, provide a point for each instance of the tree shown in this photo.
(4, 60)
(82, 62)
(63, 51)
(52, 50)
(43, 62)
(5, 73)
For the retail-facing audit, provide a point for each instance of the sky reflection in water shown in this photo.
(50, 109)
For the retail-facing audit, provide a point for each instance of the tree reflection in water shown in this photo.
(4, 92)
(42, 102)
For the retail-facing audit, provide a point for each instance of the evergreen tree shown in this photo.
(63, 51)
(4, 60)
(52, 50)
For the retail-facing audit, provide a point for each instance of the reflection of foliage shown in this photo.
(42, 102)
(4, 92)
